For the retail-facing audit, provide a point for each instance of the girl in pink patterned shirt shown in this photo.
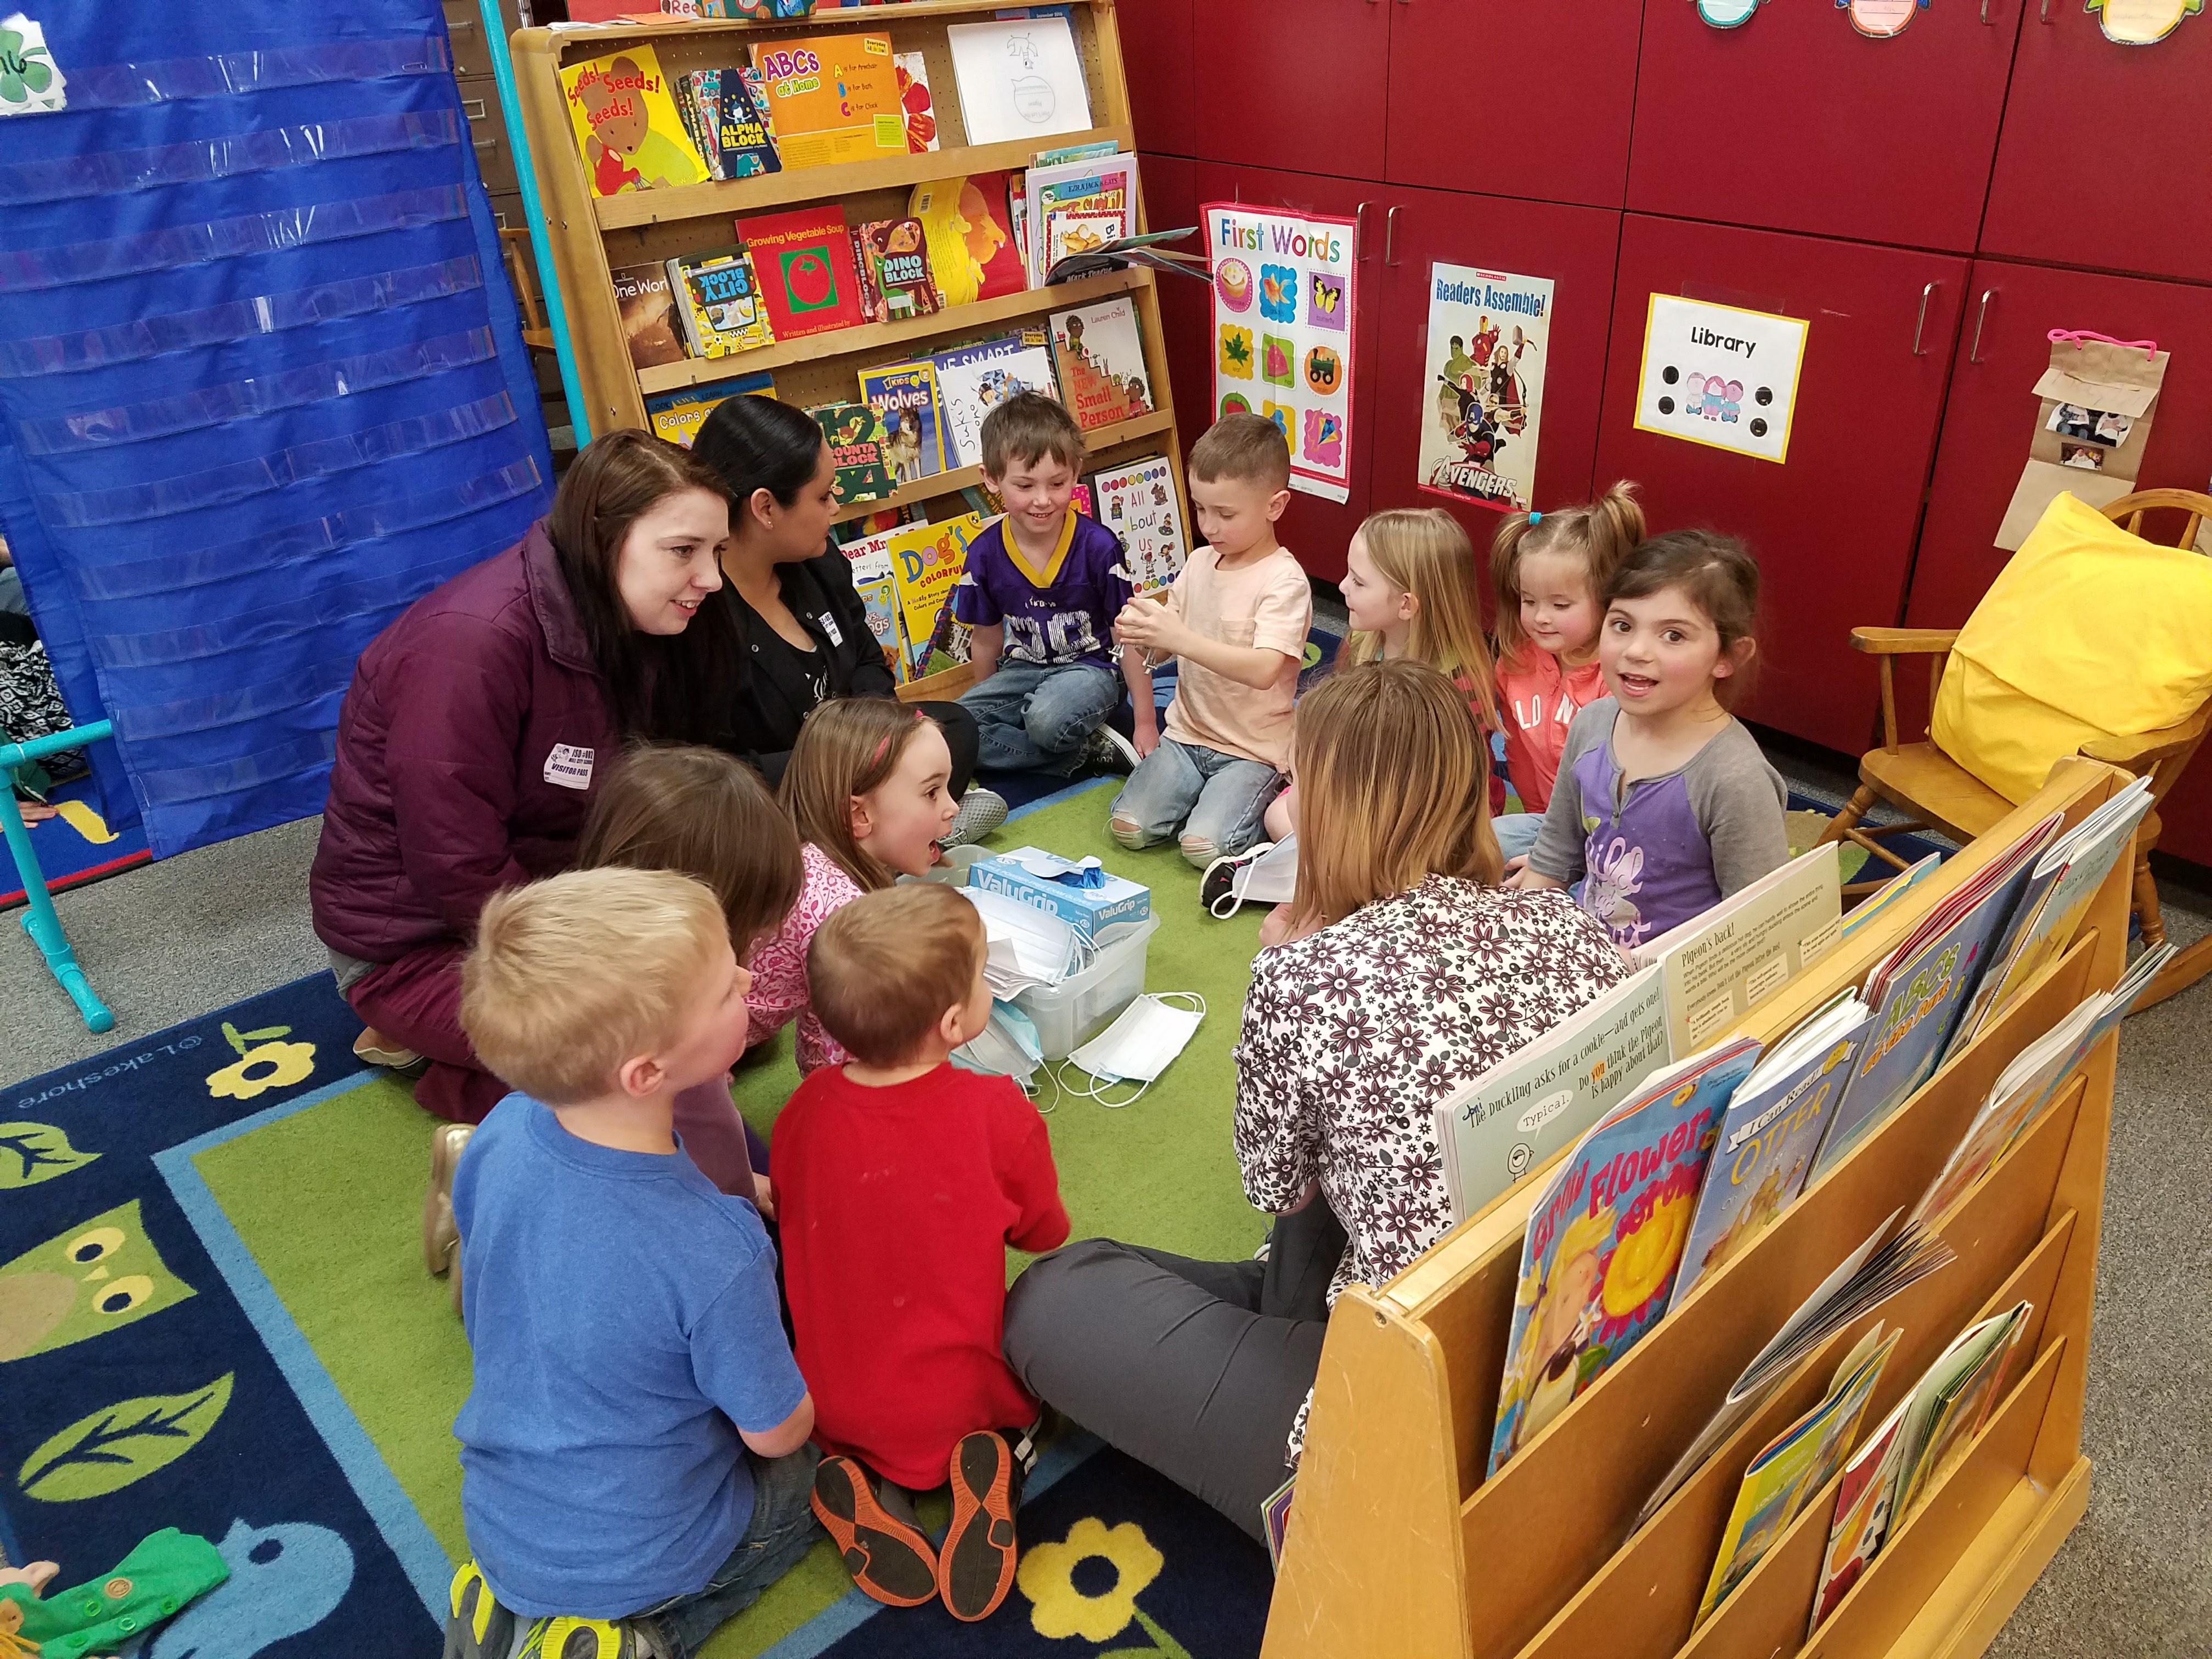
(868, 787)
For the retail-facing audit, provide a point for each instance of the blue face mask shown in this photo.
(1007, 1047)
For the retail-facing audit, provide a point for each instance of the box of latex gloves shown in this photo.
(1078, 892)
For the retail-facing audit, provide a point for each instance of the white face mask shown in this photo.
(1138, 1045)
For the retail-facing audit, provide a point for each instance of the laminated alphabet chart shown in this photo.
(1283, 300)
(1720, 376)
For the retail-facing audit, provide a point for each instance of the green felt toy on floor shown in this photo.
(153, 1583)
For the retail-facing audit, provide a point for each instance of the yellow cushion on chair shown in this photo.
(2089, 632)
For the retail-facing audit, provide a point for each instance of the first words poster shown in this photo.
(1283, 301)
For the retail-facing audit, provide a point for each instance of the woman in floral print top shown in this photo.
(1409, 972)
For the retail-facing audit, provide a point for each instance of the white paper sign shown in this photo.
(31, 82)
(1720, 376)
(1019, 80)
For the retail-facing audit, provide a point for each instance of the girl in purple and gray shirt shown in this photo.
(1664, 806)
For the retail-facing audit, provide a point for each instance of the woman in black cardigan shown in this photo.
(803, 628)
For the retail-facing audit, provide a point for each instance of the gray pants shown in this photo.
(1195, 1368)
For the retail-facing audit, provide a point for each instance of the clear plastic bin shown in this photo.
(1069, 1014)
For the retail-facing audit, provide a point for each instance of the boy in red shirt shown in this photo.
(899, 1183)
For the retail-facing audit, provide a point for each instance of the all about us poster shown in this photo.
(1483, 394)
(1283, 339)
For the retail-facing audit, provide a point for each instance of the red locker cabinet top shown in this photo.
(1294, 83)
(2145, 205)
(1990, 412)
(1157, 56)
(1832, 528)
(1797, 120)
(1514, 98)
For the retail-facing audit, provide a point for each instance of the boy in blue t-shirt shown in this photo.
(634, 1465)
(1042, 585)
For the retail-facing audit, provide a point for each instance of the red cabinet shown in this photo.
(1170, 192)
(1575, 248)
(1293, 82)
(1832, 527)
(2143, 203)
(1510, 99)
(1157, 48)
(1797, 121)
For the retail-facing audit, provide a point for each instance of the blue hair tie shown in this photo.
(1534, 517)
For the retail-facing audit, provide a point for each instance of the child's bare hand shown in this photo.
(1145, 738)
(1515, 866)
(1145, 623)
(765, 1197)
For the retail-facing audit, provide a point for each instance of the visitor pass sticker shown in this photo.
(569, 766)
(1720, 376)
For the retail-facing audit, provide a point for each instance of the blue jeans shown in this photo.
(1516, 833)
(782, 1528)
(1216, 801)
(1033, 719)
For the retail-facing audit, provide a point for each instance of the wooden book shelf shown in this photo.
(1399, 1546)
(591, 236)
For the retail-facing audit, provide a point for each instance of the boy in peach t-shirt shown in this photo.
(1237, 618)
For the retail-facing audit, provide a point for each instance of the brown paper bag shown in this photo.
(2102, 379)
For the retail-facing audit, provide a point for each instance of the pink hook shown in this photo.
(2149, 348)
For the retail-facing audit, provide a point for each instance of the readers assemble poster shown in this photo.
(1283, 299)
(1483, 395)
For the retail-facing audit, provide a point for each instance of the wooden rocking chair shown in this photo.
(1921, 780)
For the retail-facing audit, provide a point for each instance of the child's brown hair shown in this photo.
(881, 970)
(1717, 575)
(846, 747)
(704, 813)
(1245, 447)
(1424, 551)
(1603, 532)
(1024, 429)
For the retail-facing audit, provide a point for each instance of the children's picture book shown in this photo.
(1919, 989)
(718, 302)
(627, 125)
(972, 380)
(967, 226)
(1078, 235)
(895, 281)
(1482, 403)
(904, 396)
(645, 300)
(914, 99)
(1892, 890)
(803, 259)
(2051, 912)
(1019, 80)
(745, 143)
(1794, 1467)
(1099, 352)
(878, 591)
(833, 98)
(1720, 964)
(1495, 1128)
(854, 432)
(1893, 1259)
(1962, 1403)
(1772, 1129)
(1138, 502)
(1086, 186)
(1604, 1236)
(678, 415)
(926, 563)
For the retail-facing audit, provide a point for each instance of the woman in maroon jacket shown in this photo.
(477, 724)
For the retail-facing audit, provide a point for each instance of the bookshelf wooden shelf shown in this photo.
(1102, 443)
(1397, 1544)
(882, 338)
(590, 236)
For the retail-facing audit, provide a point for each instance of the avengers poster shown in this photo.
(1483, 394)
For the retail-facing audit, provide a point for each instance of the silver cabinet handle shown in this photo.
(1985, 13)
(1359, 230)
(1974, 351)
(1921, 322)
(2043, 12)
(474, 109)
(1390, 234)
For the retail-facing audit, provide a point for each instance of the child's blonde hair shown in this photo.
(573, 975)
(1603, 532)
(1422, 551)
(881, 970)
(1394, 786)
(846, 747)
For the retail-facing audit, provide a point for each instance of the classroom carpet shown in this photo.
(76, 848)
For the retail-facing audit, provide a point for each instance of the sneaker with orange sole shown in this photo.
(976, 1567)
(888, 1557)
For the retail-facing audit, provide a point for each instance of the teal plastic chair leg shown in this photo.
(40, 921)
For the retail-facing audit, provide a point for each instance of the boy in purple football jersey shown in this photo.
(1040, 591)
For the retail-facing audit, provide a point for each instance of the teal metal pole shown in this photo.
(40, 921)
(557, 313)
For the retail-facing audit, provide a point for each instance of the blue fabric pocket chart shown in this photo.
(262, 379)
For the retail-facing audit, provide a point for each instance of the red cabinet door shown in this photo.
(1294, 80)
(1156, 49)
(1797, 121)
(1575, 248)
(1989, 415)
(1452, 61)
(1832, 528)
(1317, 530)
(1170, 201)
(2055, 197)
